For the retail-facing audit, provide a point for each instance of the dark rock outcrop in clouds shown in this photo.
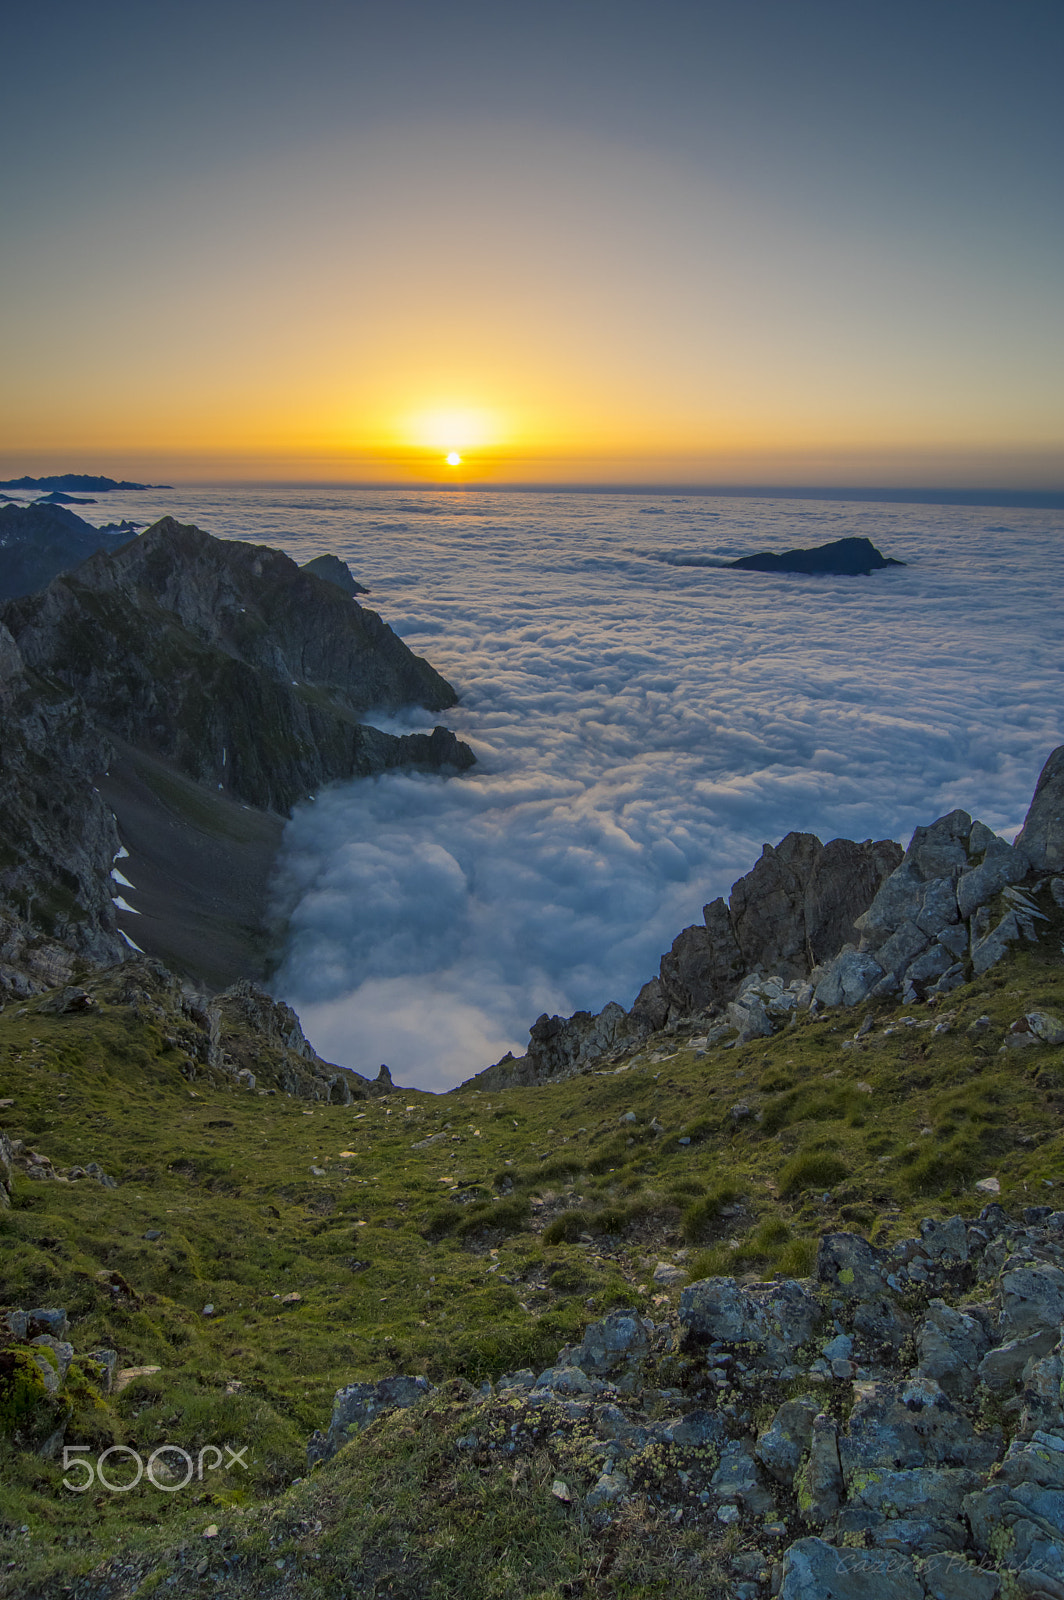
(333, 570)
(843, 557)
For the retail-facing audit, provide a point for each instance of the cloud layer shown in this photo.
(644, 722)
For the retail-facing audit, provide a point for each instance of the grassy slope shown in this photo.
(535, 1212)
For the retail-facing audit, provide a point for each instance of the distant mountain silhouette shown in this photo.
(844, 557)
(79, 481)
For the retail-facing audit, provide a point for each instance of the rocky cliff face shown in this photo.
(57, 837)
(830, 925)
(223, 659)
(226, 659)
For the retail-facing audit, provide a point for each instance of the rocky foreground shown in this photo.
(891, 1427)
(852, 1426)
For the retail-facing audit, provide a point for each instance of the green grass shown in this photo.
(483, 1252)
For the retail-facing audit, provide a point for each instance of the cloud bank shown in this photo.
(644, 723)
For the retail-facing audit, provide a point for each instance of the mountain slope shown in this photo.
(218, 662)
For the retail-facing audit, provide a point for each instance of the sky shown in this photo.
(749, 241)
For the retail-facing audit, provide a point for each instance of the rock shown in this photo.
(948, 1576)
(994, 946)
(524, 1379)
(704, 965)
(332, 570)
(106, 1362)
(611, 1487)
(950, 1344)
(1002, 865)
(736, 1479)
(359, 1404)
(1003, 1366)
(850, 557)
(1039, 1461)
(69, 999)
(1043, 1395)
(819, 1484)
(697, 1429)
(771, 1321)
(850, 978)
(619, 1340)
(560, 1047)
(667, 1276)
(799, 904)
(61, 1350)
(944, 1241)
(46, 1320)
(781, 1447)
(907, 1425)
(750, 1017)
(1021, 1527)
(1042, 836)
(567, 1380)
(850, 1266)
(1032, 1300)
(7, 1162)
(1045, 1026)
(814, 1570)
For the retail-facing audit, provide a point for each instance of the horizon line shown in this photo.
(1020, 499)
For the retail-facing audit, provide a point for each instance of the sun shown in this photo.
(454, 459)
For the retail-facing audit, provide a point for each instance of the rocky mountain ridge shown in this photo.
(220, 661)
(39, 541)
(815, 926)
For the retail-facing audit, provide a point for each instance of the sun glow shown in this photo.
(452, 429)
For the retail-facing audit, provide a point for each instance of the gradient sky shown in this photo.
(780, 241)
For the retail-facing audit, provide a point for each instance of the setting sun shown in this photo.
(454, 459)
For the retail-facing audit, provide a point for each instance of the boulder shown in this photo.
(357, 1405)
(1032, 1300)
(950, 1345)
(737, 1480)
(782, 1445)
(619, 1340)
(898, 1426)
(993, 946)
(770, 1321)
(850, 1266)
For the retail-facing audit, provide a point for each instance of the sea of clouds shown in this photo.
(644, 722)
